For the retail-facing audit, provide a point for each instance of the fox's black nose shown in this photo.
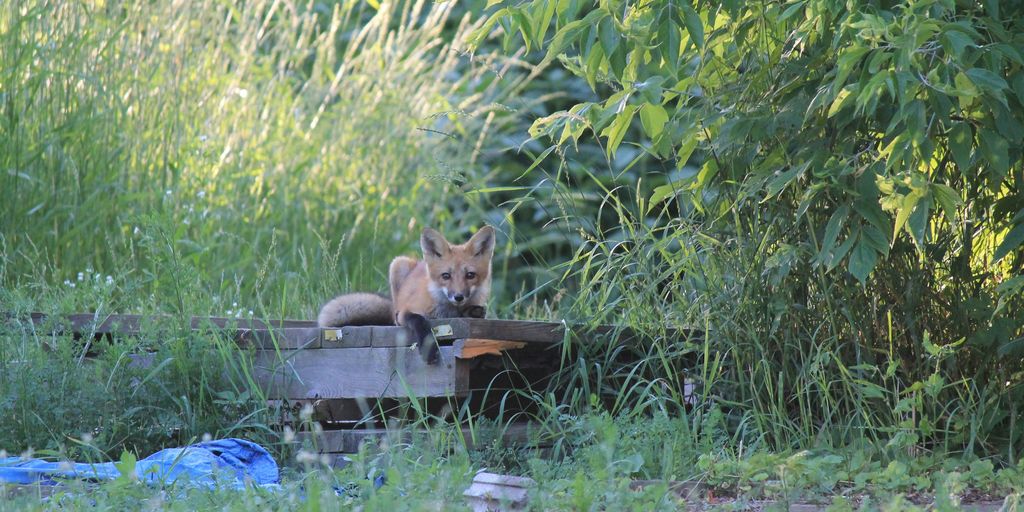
(459, 297)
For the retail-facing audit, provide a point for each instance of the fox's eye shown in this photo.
(470, 275)
(446, 276)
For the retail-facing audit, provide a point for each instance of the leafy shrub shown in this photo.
(832, 190)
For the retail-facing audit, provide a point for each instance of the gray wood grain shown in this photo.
(359, 373)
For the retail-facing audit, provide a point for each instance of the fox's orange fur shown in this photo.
(419, 286)
(450, 281)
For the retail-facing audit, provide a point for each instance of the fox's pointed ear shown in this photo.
(433, 244)
(482, 243)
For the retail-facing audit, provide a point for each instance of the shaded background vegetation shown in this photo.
(831, 191)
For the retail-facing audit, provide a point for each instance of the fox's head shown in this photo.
(459, 273)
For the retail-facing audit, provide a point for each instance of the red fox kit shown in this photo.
(450, 281)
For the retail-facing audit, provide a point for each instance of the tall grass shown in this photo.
(292, 148)
(790, 357)
(241, 158)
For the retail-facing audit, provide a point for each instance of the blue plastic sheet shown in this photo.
(219, 463)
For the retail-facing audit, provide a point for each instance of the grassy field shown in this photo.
(252, 159)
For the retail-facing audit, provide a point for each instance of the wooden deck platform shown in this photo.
(351, 375)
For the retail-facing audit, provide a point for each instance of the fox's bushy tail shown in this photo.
(357, 309)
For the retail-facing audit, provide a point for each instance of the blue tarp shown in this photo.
(223, 462)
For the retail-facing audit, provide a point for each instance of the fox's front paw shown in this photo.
(475, 312)
(430, 351)
(424, 336)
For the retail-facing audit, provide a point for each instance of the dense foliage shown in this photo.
(835, 185)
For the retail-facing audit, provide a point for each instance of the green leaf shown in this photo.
(791, 10)
(608, 35)
(617, 130)
(781, 180)
(1011, 241)
(525, 25)
(947, 198)
(593, 65)
(905, 209)
(960, 141)
(995, 149)
(837, 255)
(569, 33)
(491, 190)
(617, 62)
(478, 35)
(846, 62)
(862, 261)
(543, 21)
(653, 117)
(669, 40)
(660, 194)
(693, 24)
(965, 88)
(917, 224)
(988, 81)
(870, 211)
(955, 42)
(835, 223)
(844, 97)
(876, 239)
(126, 466)
(686, 148)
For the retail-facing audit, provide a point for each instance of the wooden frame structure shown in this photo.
(341, 370)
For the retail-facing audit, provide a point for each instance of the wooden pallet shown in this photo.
(299, 361)
(356, 376)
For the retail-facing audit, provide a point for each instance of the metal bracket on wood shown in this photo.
(443, 331)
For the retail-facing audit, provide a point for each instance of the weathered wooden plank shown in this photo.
(508, 330)
(293, 334)
(390, 336)
(359, 373)
(285, 338)
(347, 337)
(132, 324)
(289, 334)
